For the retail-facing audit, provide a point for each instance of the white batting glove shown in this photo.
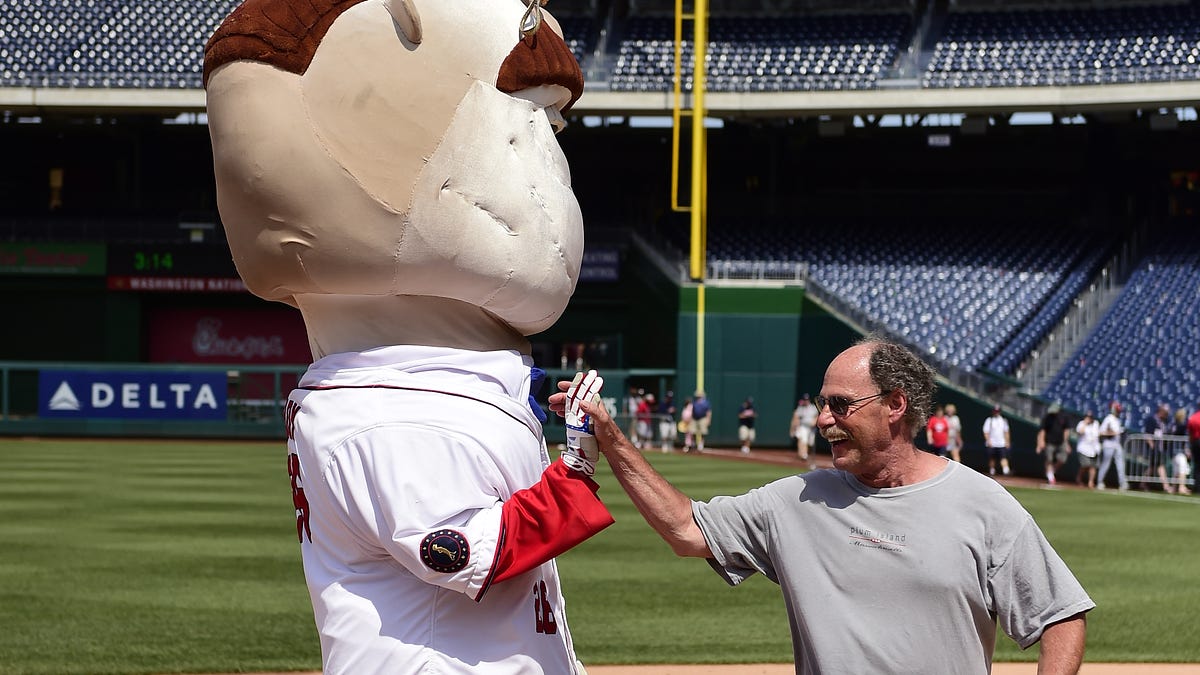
(582, 452)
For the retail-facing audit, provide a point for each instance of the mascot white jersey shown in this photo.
(389, 168)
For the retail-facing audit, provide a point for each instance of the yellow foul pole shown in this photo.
(698, 208)
(699, 177)
(699, 145)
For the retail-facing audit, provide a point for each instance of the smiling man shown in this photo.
(895, 560)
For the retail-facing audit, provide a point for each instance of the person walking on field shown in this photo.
(956, 438)
(746, 417)
(632, 403)
(666, 422)
(1111, 451)
(998, 440)
(1088, 446)
(687, 423)
(1193, 436)
(895, 560)
(1193, 432)
(1182, 455)
(937, 432)
(1153, 454)
(1052, 437)
(645, 420)
(701, 418)
(803, 429)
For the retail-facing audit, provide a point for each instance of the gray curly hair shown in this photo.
(895, 367)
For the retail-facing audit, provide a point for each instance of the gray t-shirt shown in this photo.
(899, 580)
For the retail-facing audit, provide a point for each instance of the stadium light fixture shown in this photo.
(1031, 119)
(196, 229)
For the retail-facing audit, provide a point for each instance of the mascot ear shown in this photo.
(406, 17)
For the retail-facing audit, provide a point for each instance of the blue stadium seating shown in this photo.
(155, 44)
(1013, 354)
(962, 298)
(762, 54)
(1102, 45)
(114, 44)
(985, 302)
(138, 44)
(580, 34)
(1143, 353)
(117, 43)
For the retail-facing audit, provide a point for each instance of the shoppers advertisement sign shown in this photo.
(267, 335)
(88, 394)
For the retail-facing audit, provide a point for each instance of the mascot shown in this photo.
(389, 168)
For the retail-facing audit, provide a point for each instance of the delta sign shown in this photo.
(86, 394)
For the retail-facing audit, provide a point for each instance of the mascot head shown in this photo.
(389, 167)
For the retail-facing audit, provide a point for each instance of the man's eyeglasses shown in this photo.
(840, 405)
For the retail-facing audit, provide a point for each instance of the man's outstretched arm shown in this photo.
(665, 508)
(1062, 646)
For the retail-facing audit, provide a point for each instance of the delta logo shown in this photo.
(85, 394)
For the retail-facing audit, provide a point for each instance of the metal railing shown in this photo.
(1158, 460)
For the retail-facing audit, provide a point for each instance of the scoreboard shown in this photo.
(202, 268)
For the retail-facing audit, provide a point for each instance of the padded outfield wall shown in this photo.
(770, 343)
(774, 344)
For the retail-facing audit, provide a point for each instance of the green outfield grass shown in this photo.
(173, 556)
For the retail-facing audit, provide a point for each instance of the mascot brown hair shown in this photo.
(389, 168)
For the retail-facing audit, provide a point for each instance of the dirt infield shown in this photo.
(997, 669)
(788, 669)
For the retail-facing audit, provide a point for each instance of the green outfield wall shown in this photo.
(774, 343)
(742, 342)
(639, 326)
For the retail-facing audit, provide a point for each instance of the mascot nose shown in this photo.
(540, 59)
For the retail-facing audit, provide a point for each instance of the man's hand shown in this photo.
(664, 507)
(582, 452)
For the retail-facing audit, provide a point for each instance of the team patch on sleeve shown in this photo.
(445, 551)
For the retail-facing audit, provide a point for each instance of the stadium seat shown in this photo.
(1066, 46)
(1140, 352)
(980, 301)
(763, 54)
(135, 43)
(139, 43)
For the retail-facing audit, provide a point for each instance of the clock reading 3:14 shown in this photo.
(153, 261)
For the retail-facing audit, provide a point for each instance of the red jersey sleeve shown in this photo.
(546, 519)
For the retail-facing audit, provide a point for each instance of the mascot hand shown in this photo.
(582, 452)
